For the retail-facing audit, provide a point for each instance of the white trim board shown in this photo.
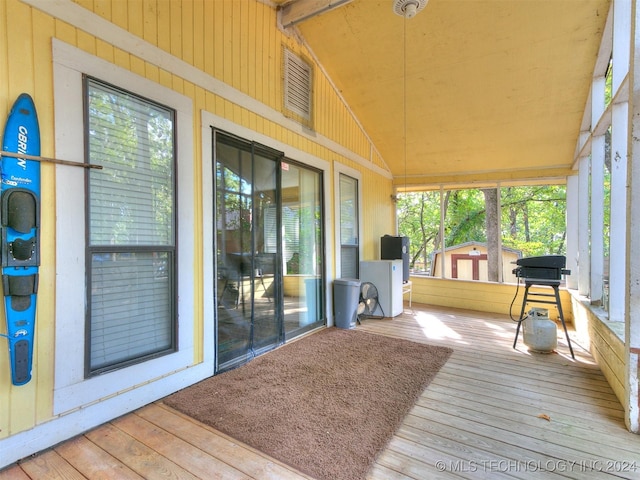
(71, 389)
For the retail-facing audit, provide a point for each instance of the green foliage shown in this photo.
(133, 139)
(533, 220)
(464, 217)
(419, 219)
(528, 249)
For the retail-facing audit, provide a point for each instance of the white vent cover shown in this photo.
(297, 85)
(408, 8)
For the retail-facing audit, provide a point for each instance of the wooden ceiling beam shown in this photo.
(300, 10)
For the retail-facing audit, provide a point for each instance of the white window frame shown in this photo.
(339, 168)
(72, 389)
(143, 242)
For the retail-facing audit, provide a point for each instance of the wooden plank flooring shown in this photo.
(491, 412)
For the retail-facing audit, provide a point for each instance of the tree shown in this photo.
(532, 219)
(419, 217)
(492, 223)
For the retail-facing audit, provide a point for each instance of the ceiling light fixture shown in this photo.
(408, 8)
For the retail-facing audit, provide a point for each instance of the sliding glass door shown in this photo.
(303, 280)
(246, 265)
(268, 249)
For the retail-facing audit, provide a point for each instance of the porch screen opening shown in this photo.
(479, 233)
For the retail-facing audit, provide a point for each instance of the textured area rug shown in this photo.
(326, 404)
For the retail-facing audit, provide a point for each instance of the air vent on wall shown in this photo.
(297, 85)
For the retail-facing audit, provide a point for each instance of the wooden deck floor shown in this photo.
(491, 412)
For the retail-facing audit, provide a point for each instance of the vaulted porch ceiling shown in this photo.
(481, 89)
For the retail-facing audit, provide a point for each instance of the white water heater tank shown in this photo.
(540, 333)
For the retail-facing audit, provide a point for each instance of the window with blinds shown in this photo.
(131, 228)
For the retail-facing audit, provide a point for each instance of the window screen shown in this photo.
(131, 227)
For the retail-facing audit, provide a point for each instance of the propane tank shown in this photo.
(540, 333)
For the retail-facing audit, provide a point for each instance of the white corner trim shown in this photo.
(93, 24)
(210, 333)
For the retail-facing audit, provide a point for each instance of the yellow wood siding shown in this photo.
(481, 296)
(235, 41)
(26, 41)
(378, 213)
(605, 346)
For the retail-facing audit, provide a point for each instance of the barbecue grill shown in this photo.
(543, 271)
(547, 268)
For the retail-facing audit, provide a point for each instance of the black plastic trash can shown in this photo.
(346, 294)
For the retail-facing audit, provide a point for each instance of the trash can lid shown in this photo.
(354, 282)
